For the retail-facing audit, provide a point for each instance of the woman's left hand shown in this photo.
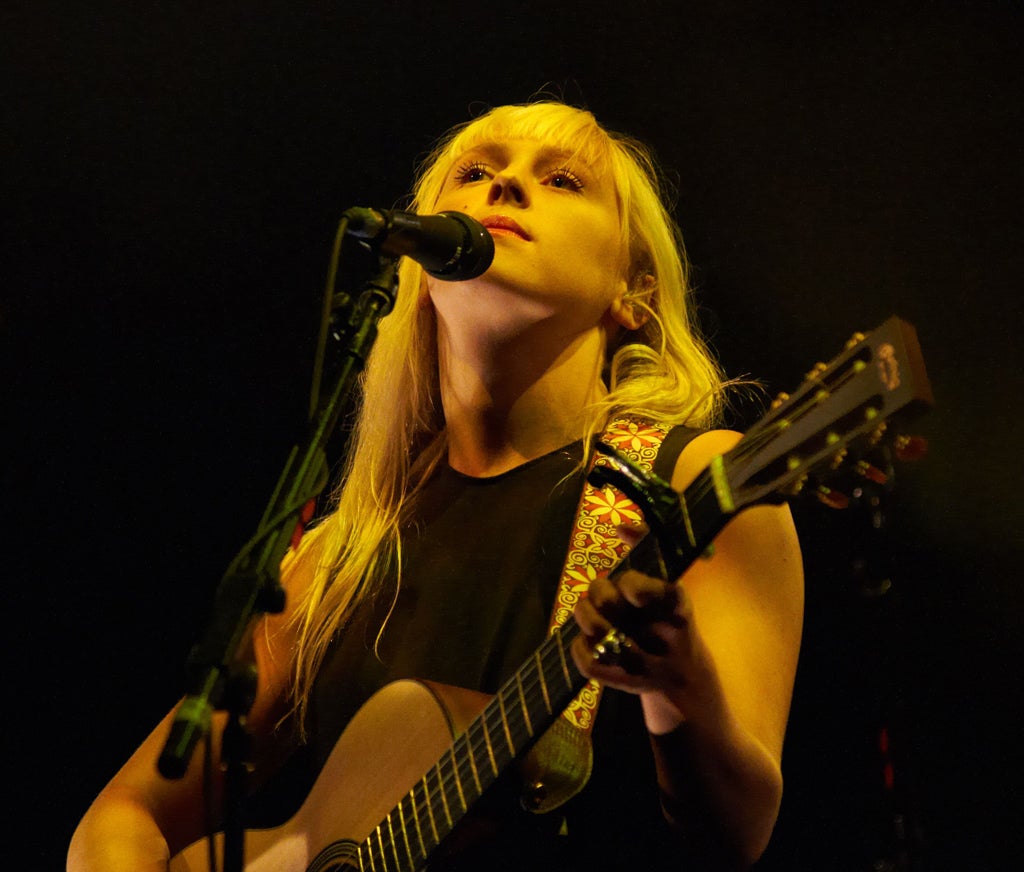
(640, 635)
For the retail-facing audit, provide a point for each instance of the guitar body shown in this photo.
(391, 741)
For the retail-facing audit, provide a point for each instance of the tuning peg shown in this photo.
(856, 339)
(833, 438)
(779, 400)
(871, 473)
(816, 370)
(877, 434)
(910, 448)
(832, 499)
(796, 487)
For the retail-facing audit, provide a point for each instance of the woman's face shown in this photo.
(556, 229)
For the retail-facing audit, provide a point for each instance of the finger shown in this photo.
(603, 642)
(590, 620)
(631, 534)
(647, 593)
(604, 594)
(631, 591)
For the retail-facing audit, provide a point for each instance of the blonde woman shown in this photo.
(440, 557)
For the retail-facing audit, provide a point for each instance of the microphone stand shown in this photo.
(220, 671)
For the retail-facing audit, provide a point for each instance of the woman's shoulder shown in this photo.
(700, 448)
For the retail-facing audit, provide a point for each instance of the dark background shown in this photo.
(172, 178)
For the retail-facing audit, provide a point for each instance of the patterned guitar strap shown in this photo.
(560, 764)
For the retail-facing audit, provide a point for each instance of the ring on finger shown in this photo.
(609, 650)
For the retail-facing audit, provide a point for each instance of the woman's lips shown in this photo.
(504, 224)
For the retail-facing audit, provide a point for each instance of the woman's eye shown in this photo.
(564, 178)
(471, 172)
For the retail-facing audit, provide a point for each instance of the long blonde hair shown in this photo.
(664, 372)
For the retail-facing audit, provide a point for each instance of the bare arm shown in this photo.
(140, 819)
(714, 667)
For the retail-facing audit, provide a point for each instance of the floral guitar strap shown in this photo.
(561, 763)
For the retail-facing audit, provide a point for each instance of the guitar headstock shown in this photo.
(829, 429)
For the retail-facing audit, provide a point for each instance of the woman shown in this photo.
(441, 555)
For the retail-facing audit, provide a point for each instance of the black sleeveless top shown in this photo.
(481, 563)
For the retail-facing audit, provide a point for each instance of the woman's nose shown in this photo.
(505, 187)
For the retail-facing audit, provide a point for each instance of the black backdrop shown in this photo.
(172, 177)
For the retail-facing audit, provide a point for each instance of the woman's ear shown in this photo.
(632, 309)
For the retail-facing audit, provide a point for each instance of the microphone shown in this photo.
(449, 246)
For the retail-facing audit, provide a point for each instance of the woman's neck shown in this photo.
(507, 402)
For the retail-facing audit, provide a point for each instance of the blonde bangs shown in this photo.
(574, 131)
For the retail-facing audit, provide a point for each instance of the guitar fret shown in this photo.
(384, 842)
(472, 763)
(392, 842)
(416, 820)
(543, 683)
(504, 723)
(487, 741)
(517, 717)
(561, 659)
(492, 714)
(444, 799)
(430, 810)
(465, 754)
(522, 702)
(551, 672)
(458, 781)
(405, 832)
(373, 866)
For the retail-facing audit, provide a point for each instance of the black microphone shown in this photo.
(449, 245)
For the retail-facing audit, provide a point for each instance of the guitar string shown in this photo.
(753, 444)
(800, 410)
